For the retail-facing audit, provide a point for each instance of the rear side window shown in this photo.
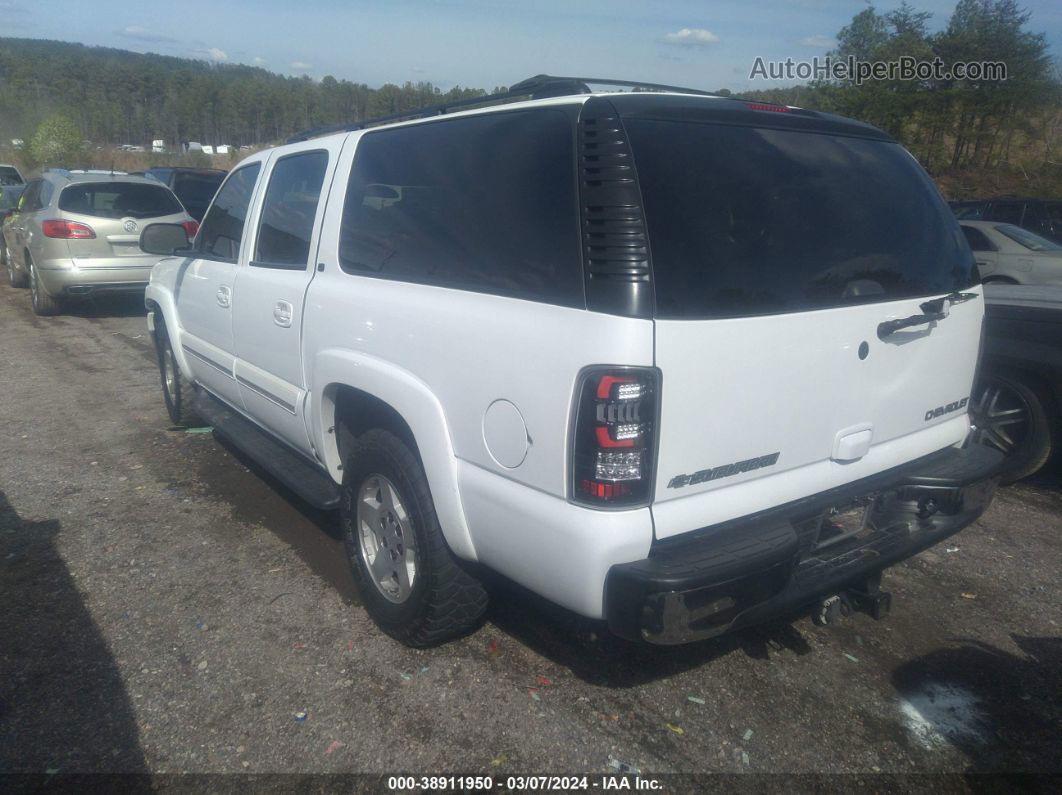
(118, 200)
(196, 190)
(289, 209)
(9, 176)
(1030, 240)
(750, 221)
(222, 230)
(28, 203)
(1008, 213)
(977, 239)
(485, 203)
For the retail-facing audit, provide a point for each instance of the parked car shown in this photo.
(1016, 402)
(1043, 216)
(9, 196)
(9, 175)
(1008, 254)
(77, 234)
(195, 187)
(451, 326)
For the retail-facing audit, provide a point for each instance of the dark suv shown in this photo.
(1043, 216)
(195, 187)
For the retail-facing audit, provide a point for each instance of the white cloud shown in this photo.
(259, 60)
(140, 33)
(217, 55)
(691, 37)
(825, 42)
(301, 66)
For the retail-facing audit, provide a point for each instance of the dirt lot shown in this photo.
(166, 609)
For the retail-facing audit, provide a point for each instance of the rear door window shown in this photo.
(289, 210)
(484, 203)
(977, 239)
(222, 230)
(752, 221)
(196, 190)
(119, 200)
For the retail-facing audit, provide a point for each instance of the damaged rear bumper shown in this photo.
(744, 572)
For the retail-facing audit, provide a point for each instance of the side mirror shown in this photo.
(164, 239)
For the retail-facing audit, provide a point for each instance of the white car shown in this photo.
(1009, 254)
(661, 357)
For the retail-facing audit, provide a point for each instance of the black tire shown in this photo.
(43, 304)
(177, 390)
(1016, 416)
(444, 599)
(16, 277)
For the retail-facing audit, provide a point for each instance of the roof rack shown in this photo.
(537, 87)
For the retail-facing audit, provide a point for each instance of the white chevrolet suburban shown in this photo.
(675, 361)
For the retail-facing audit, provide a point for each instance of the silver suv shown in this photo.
(77, 234)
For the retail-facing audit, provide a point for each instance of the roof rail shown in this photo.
(537, 87)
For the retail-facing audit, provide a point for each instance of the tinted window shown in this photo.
(9, 197)
(977, 239)
(1024, 237)
(1008, 213)
(118, 200)
(29, 198)
(196, 190)
(222, 229)
(289, 209)
(746, 221)
(968, 212)
(9, 176)
(44, 198)
(485, 203)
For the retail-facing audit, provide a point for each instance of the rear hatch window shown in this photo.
(753, 221)
(119, 200)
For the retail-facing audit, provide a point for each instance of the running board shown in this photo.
(308, 480)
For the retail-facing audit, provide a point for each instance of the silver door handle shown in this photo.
(225, 296)
(282, 314)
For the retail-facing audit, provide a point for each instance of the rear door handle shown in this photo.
(282, 313)
(225, 296)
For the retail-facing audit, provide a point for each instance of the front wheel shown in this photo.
(1015, 417)
(412, 585)
(177, 390)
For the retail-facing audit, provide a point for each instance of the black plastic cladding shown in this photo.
(615, 245)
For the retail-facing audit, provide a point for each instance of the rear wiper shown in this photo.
(934, 310)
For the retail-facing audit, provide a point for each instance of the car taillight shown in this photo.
(191, 228)
(69, 230)
(614, 436)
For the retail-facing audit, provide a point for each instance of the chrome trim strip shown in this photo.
(207, 360)
(289, 407)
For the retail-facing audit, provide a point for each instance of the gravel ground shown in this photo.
(168, 609)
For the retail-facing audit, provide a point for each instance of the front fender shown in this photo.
(418, 406)
(159, 299)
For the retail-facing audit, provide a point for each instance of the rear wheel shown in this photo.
(1016, 417)
(177, 390)
(411, 584)
(43, 304)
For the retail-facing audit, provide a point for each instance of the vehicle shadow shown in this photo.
(592, 653)
(107, 306)
(1000, 709)
(63, 705)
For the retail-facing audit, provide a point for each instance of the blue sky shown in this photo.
(479, 43)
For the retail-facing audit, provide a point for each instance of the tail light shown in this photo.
(68, 230)
(191, 228)
(614, 436)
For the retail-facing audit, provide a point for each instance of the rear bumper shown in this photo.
(74, 277)
(744, 572)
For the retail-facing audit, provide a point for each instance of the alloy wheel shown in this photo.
(386, 539)
(1000, 417)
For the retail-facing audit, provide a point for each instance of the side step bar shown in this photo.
(302, 476)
